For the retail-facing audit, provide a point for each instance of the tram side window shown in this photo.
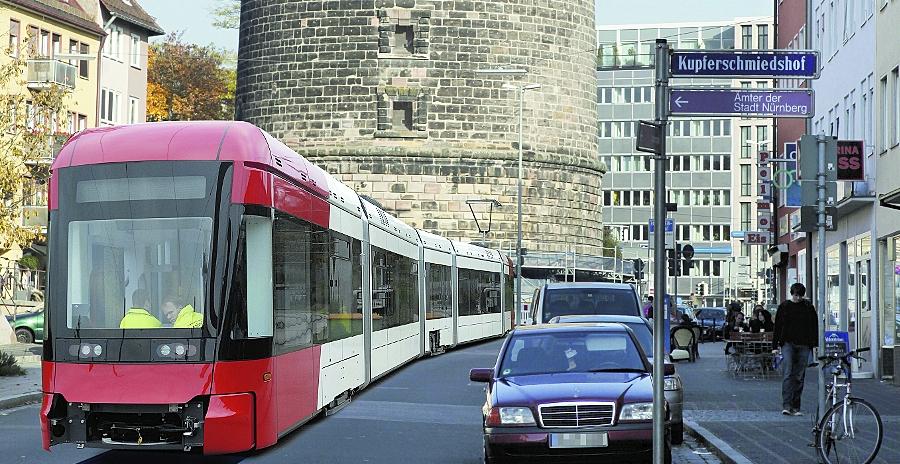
(300, 266)
(508, 294)
(395, 299)
(479, 292)
(344, 318)
(439, 291)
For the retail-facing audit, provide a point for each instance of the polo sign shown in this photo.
(720, 63)
(850, 160)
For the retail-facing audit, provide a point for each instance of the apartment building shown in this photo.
(61, 43)
(123, 82)
(712, 161)
(886, 230)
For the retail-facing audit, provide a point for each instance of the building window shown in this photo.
(135, 51)
(762, 138)
(745, 142)
(82, 122)
(109, 106)
(745, 216)
(133, 110)
(44, 43)
(762, 36)
(83, 64)
(33, 39)
(402, 112)
(895, 75)
(14, 37)
(885, 112)
(746, 187)
(746, 37)
(403, 32)
(56, 45)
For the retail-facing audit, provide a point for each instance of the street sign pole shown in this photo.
(820, 235)
(659, 312)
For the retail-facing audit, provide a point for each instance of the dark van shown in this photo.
(583, 299)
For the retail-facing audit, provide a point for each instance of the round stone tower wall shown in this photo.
(384, 94)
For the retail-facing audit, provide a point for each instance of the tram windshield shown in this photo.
(137, 273)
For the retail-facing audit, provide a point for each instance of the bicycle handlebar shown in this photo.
(851, 354)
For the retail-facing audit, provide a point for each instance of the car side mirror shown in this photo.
(668, 369)
(481, 374)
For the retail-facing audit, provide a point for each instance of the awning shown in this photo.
(890, 199)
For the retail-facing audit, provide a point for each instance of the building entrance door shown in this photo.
(862, 336)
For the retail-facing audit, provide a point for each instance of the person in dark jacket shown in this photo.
(797, 333)
(737, 325)
(762, 321)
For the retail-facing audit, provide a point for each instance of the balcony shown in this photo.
(43, 73)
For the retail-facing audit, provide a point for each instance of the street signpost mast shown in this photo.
(659, 246)
(820, 235)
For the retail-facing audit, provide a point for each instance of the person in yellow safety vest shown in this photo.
(181, 318)
(137, 316)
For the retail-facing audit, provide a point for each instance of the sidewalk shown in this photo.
(746, 414)
(16, 391)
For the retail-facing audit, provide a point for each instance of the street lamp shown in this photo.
(522, 89)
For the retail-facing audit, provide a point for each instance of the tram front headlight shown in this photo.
(165, 350)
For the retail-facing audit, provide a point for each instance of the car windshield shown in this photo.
(574, 351)
(711, 313)
(589, 301)
(137, 273)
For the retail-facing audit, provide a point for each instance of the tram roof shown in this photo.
(188, 141)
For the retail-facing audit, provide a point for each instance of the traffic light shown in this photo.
(701, 289)
(686, 265)
(672, 260)
(769, 275)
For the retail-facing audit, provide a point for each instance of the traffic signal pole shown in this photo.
(659, 245)
(820, 235)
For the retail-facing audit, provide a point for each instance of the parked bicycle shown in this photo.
(851, 431)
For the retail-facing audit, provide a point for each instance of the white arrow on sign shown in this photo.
(679, 101)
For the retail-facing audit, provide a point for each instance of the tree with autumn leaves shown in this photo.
(32, 126)
(188, 82)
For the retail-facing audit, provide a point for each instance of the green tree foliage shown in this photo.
(33, 123)
(227, 14)
(611, 245)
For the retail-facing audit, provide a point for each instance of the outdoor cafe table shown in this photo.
(749, 354)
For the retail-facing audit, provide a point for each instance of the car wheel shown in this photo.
(678, 433)
(24, 335)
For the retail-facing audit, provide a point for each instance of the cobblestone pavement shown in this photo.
(746, 413)
(691, 452)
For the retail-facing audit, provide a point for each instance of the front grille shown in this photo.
(576, 414)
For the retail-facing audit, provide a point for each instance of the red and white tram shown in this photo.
(211, 289)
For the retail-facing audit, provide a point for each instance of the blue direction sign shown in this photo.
(741, 102)
(770, 63)
(670, 226)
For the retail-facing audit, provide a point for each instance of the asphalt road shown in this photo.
(427, 412)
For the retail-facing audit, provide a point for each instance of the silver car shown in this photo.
(644, 332)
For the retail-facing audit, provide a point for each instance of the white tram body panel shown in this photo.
(438, 259)
(480, 308)
(396, 344)
(343, 362)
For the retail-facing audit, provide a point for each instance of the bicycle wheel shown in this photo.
(850, 435)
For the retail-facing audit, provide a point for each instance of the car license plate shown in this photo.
(579, 440)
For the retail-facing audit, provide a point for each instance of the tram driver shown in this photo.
(181, 316)
(138, 316)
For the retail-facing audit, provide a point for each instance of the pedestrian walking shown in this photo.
(797, 333)
(648, 308)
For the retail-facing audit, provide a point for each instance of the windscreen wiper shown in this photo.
(620, 369)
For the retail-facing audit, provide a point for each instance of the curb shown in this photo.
(20, 400)
(722, 450)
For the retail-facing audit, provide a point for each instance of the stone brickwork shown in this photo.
(384, 95)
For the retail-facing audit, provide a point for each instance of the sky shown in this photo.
(613, 12)
(193, 17)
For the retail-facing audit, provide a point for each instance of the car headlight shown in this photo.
(516, 416)
(637, 412)
(672, 384)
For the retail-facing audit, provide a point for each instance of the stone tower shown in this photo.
(384, 94)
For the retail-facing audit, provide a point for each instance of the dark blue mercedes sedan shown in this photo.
(569, 391)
